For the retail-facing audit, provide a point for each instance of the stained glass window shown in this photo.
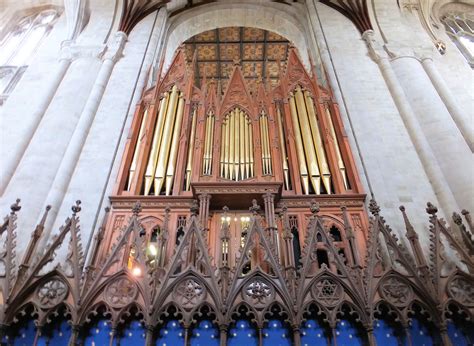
(18, 46)
(460, 28)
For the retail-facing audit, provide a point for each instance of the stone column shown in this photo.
(423, 149)
(459, 117)
(12, 159)
(75, 11)
(76, 143)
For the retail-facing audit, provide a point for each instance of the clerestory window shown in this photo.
(18, 44)
(460, 28)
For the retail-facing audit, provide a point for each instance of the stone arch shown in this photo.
(287, 21)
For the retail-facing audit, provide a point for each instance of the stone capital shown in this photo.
(376, 49)
(70, 50)
(115, 47)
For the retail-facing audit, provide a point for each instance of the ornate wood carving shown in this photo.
(188, 279)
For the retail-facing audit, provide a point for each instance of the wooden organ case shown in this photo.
(282, 147)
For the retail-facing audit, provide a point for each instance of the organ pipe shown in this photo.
(318, 143)
(208, 144)
(340, 162)
(299, 145)
(231, 145)
(223, 140)
(311, 160)
(266, 156)
(155, 146)
(284, 157)
(250, 142)
(133, 165)
(164, 151)
(226, 148)
(173, 155)
(242, 144)
(236, 146)
(191, 150)
(246, 137)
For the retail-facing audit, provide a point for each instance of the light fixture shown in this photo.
(153, 250)
(136, 271)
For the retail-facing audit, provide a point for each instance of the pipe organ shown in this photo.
(280, 145)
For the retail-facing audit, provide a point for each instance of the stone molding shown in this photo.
(71, 50)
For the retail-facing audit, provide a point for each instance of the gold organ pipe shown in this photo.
(226, 154)
(340, 162)
(299, 145)
(211, 145)
(242, 145)
(251, 160)
(267, 142)
(318, 143)
(155, 146)
(236, 143)
(170, 170)
(262, 141)
(247, 147)
(191, 150)
(163, 154)
(231, 145)
(283, 149)
(312, 162)
(133, 165)
(223, 139)
(207, 144)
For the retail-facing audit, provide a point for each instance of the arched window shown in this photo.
(460, 28)
(18, 45)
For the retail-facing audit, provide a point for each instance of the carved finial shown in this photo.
(107, 209)
(314, 207)
(457, 219)
(137, 208)
(48, 207)
(410, 230)
(225, 209)
(194, 208)
(167, 209)
(255, 208)
(236, 62)
(15, 206)
(431, 209)
(374, 207)
(76, 207)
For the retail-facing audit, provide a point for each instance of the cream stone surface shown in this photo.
(387, 159)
